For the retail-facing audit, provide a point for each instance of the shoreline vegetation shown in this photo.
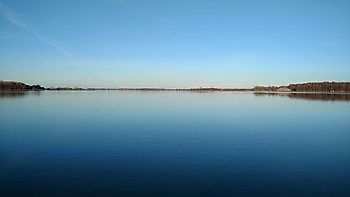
(312, 87)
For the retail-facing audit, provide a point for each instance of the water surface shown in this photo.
(132, 143)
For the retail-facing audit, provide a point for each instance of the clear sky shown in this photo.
(178, 43)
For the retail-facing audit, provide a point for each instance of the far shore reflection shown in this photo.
(16, 94)
(308, 96)
(299, 95)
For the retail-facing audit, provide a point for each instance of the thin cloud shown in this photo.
(12, 17)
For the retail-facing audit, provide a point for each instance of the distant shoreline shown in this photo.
(152, 89)
(320, 96)
(310, 87)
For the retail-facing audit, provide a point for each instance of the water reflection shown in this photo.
(305, 96)
(119, 143)
(17, 94)
(308, 96)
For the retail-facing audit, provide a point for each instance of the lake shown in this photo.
(134, 143)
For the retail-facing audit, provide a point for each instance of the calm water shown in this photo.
(173, 144)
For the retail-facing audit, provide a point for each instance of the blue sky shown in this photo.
(179, 43)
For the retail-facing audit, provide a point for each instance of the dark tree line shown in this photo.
(265, 88)
(321, 87)
(18, 86)
(309, 87)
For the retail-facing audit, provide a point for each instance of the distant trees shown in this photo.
(11, 85)
(309, 87)
(321, 87)
(265, 88)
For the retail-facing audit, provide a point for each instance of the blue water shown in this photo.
(130, 143)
